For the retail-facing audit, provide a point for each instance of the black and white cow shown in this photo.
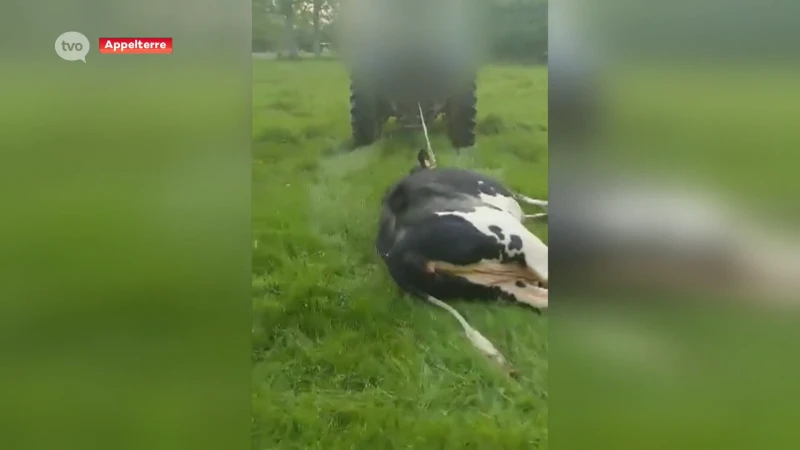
(456, 234)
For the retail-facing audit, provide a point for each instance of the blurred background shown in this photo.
(511, 30)
(125, 228)
(673, 224)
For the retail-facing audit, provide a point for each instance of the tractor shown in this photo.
(400, 63)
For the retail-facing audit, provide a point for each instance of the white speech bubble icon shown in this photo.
(72, 46)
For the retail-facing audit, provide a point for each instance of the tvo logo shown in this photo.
(72, 46)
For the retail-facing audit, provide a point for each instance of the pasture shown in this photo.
(341, 359)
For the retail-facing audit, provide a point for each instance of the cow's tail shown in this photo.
(478, 340)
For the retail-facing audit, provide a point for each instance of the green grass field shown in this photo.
(341, 359)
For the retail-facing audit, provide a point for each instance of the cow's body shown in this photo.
(450, 233)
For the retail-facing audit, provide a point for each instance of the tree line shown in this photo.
(509, 29)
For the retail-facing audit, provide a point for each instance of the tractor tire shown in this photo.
(365, 115)
(461, 114)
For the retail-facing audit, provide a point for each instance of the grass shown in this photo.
(341, 359)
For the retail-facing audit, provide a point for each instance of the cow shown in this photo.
(447, 233)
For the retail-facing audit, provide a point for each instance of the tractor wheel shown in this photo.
(365, 117)
(460, 116)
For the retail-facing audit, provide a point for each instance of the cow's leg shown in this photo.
(534, 216)
(531, 201)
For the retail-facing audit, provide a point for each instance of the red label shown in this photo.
(135, 46)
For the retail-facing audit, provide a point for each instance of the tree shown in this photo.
(287, 9)
(508, 29)
(267, 26)
(318, 4)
